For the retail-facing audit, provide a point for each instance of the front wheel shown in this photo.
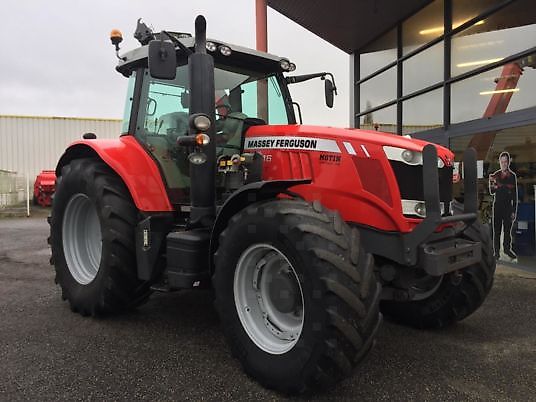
(442, 301)
(296, 294)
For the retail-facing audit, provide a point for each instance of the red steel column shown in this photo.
(262, 45)
(261, 25)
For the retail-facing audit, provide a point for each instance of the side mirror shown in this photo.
(328, 89)
(162, 60)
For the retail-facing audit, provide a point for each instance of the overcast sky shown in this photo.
(57, 59)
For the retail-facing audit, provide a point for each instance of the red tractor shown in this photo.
(306, 234)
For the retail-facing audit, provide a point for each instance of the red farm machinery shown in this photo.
(307, 235)
(44, 187)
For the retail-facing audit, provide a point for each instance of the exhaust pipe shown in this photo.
(203, 176)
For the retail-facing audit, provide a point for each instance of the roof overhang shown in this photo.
(348, 24)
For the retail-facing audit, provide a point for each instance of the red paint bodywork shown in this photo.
(44, 187)
(137, 169)
(362, 187)
(340, 186)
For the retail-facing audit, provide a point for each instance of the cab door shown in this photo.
(162, 118)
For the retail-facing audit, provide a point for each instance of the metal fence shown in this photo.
(13, 189)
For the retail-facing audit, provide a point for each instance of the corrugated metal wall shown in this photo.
(30, 144)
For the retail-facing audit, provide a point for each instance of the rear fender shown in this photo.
(126, 157)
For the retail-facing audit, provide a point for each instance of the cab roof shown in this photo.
(241, 57)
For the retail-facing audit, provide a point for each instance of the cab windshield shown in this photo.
(235, 92)
(164, 111)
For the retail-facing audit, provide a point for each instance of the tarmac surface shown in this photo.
(172, 348)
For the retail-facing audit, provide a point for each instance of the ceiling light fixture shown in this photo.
(440, 29)
(478, 62)
(499, 91)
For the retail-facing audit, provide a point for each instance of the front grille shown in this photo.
(409, 179)
(372, 177)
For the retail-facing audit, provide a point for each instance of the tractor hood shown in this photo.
(338, 139)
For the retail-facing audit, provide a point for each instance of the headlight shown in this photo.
(408, 155)
(420, 209)
(211, 46)
(285, 64)
(197, 158)
(292, 67)
(225, 50)
(201, 122)
(412, 208)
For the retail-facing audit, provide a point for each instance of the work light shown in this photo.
(201, 122)
(225, 50)
(211, 46)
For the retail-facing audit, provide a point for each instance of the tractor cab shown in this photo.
(249, 89)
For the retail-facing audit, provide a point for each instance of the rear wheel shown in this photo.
(296, 294)
(92, 239)
(444, 300)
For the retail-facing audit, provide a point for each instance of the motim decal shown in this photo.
(296, 143)
(330, 158)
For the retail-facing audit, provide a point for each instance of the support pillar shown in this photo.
(262, 45)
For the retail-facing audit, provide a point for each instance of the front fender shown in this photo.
(132, 163)
(248, 194)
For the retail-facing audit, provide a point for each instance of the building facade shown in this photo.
(29, 144)
(456, 72)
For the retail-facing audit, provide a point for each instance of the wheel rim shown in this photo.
(82, 239)
(268, 298)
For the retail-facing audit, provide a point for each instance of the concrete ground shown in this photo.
(172, 348)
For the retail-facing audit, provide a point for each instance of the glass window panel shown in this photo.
(378, 54)
(423, 69)
(494, 92)
(381, 120)
(423, 112)
(520, 143)
(463, 10)
(128, 103)
(277, 112)
(423, 27)
(378, 90)
(509, 31)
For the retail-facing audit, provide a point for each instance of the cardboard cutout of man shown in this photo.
(503, 185)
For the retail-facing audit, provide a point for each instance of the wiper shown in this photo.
(275, 86)
(177, 43)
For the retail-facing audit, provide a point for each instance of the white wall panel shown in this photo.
(30, 144)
